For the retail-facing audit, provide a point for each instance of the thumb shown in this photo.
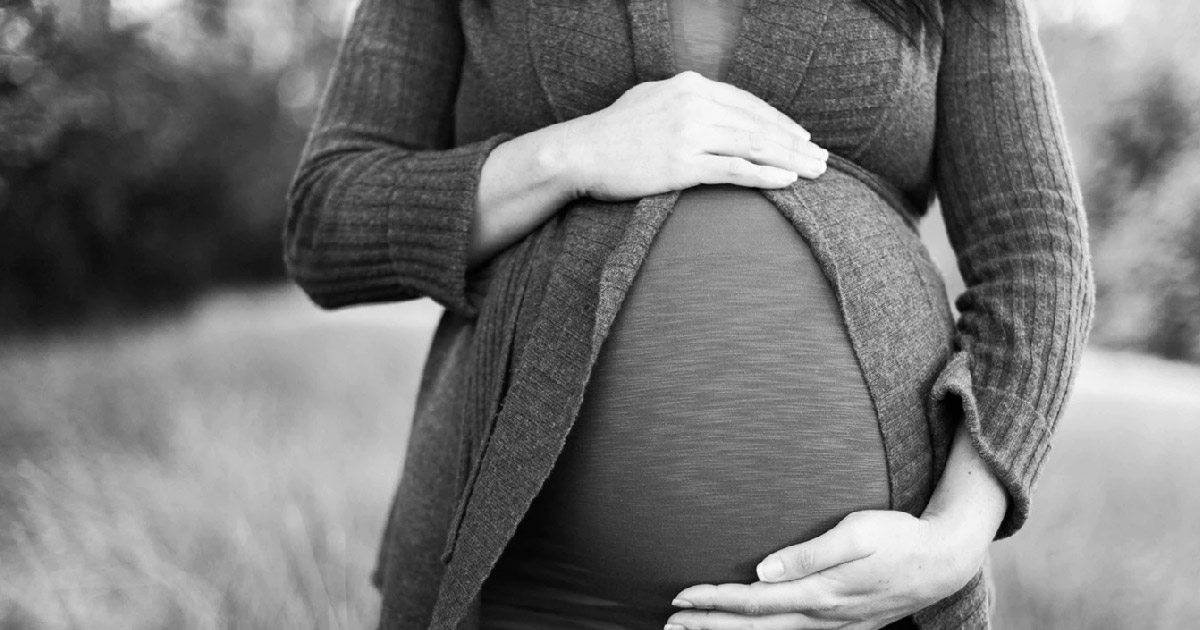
(843, 543)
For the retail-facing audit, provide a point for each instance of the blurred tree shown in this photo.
(1143, 201)
(131, 179)
(212, 15)
(86, 19)
(1141, 141)
(97, 15)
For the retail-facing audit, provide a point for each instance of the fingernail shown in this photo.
(673, 626)
(770, 569)
(824, 154)
(681, 603)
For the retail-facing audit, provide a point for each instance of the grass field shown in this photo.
(232, 470)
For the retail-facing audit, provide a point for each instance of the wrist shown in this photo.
(522, 183)
(564, 159)
(966, 523)
(967, 506)
(956, 551)
(968, 495)
(961, 533)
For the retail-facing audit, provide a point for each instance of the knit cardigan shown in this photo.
(382, 204)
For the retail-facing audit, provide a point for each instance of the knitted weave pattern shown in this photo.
(382, 204)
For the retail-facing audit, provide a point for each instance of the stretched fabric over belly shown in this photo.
(726, 416)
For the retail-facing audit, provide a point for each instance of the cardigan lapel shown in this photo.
(538, 409)
(614, 45)
(770, 31)
(775, 47)
(650, 29)
(581, 53)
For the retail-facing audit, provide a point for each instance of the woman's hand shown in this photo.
(683, 131)
(659, 136)
(873, 568)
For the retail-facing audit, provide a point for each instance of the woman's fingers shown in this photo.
(724, 169)
(714, 620)
(684, 131)
(844, 543)
(872, 568)
(770, 149)
(739, 149)
(811, 596)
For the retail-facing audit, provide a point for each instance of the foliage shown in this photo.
(1144, 203)
(129, 180)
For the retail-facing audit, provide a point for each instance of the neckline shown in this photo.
(693, 21)
(787, 32)
(654, 46)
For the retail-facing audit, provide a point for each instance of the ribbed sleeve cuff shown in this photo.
(431, 215)
(1009, 435)
(389, 225)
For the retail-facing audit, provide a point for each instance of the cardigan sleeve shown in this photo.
(1014, 217)
(381, 205)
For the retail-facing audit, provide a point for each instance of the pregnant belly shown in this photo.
(726, 418)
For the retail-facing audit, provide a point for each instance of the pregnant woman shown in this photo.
(695, 367)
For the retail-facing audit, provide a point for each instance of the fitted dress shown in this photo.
(726, 416)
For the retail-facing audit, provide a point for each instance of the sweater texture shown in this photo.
(382, 204)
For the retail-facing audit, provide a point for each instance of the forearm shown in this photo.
(1014, 215)
(523, 182)
(969, 497)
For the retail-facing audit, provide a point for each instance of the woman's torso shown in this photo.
(726, 416)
